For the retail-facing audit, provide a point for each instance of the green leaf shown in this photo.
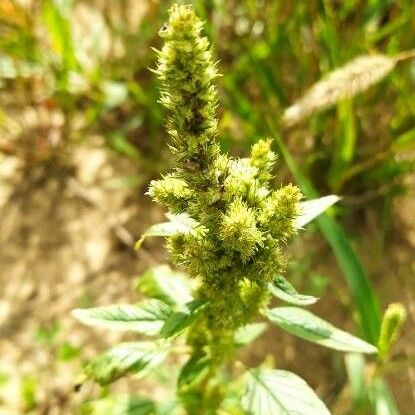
(163, 283)
(120, 143)
(358, 282)
(56, 20)
(193, 372)
(178, 224)
(180, 320)
(283, 290)
(146, 317)
(382, 398)
(344, 143)
(304, 324)
(404, 142)
(126, 358)
(355, 368)
(310, 209)
(119, 405)
(278, 392)
(248, 333)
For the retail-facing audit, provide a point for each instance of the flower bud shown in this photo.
(171, 192)
(239, 231)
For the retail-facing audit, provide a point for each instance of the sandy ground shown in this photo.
(66, 240)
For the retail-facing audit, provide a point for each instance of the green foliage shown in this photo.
(67, 352)
(304, 324)
(383, 401)
(76, 60)
(359, 146)
(370, 392)
(355, 368)
(310, 209)
(29, 390)
(178, 224)
(126, 358)
(360, 286)
(194, 371)
(283, 290)
(164, 284)
(147, 317)
(278, 392)
(180, 320)
(227, 229)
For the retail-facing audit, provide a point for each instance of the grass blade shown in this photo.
(358, 282)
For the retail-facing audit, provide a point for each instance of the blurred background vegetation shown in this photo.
(82, 135)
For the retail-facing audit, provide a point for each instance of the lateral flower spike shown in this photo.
(393, 320)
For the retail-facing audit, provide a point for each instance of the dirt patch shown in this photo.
(66, 239)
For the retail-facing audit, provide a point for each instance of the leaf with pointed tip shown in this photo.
(178, 224)
(278, 392)
(248, 333)
(304, 324)
(283, 290)
(310, 209)
(193, 372)
(146, 317)
(180, 320)
(124, 359)
(163, 283)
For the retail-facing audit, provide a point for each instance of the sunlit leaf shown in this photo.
(163, 283)
(126, 358)
(367, 303)
(278, 392)
(304, 324)
(310, 209)
(180, 320)
(146, 317)
(283, 290)
(196, 368)
(178, 224)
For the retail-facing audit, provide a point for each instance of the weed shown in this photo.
(227, 229)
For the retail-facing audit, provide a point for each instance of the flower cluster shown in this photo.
(247, 223)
